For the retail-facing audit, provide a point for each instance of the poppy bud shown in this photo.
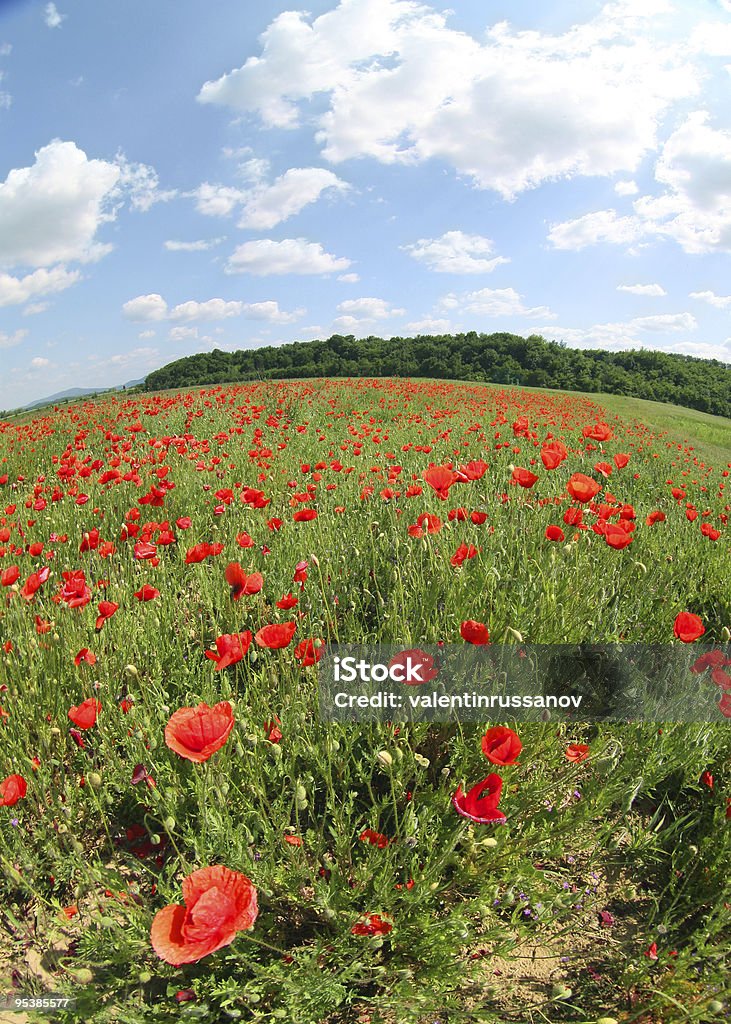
(561, 991)
(95, 780)
(726, 634)
(715, 1006)
(515, 634)
(169, 823)
(490, 842)
(131, 670)
(607, 1020)
(83, 975)
(143, 977)
(385, 758)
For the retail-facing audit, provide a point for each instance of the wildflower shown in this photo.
(84, 715)
(230, 648)
(218, 904)
(197, 733)
(480, 804)
(501, 745)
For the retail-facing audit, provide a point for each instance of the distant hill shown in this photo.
(70, 393)
(703, 384)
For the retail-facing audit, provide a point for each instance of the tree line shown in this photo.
(703, 384)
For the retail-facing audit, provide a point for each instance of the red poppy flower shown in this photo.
(621, 460)
(276, 635)
(218, 904)
(479, 804)
(9, 576)
(474, 632)
(374, 838)
(85, 655)
(582, 488)
(524, 477)
(240, 583)
(309, 652)
(554, 533)
(688, 627)
(598, 432)
(244, 540)
(147, 593)
(196, 733)
(576, 752)
(106, 610)
(724, 705)
(274, 733)
(287, 602)
(655, 517)
(441, 479)
(230, 648)
(616, 537)
(501, 745)
(372, 924)
(305, 515)
(84, 714)
(429, 522)
(12, 789)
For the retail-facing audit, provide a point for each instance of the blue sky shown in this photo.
(176, 177)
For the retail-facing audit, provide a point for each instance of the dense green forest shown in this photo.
(703, 384)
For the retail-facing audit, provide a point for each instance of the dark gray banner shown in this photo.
(526, 682)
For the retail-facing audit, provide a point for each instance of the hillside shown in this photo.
(703, 384)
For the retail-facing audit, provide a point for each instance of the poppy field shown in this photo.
(183, 838)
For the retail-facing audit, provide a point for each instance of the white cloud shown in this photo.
(146, 307)
(290, 256)
(592, 228)
(719, 301)
(368, 309)
(142, 357)
(621, 336)
(642, 289)
(349, 278)
(144, 335)
(456, 253)
(509, 110)
(33, 308)
(51, 16)
(15, 290)
(626, 188)
(50, 212)
(666, 322)
(201, 245)
(493, 302)
(39, 362)
(694, 210)
(218, 200)
(429, 325)
(182, 333)
(150, 308)
(142, 185)
(269, 205)
(263, 206)
(11, 340)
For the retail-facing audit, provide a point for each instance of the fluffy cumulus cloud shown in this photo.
(456, 253)
(492, 302)
(52, 211)
(429, 325)
(719, 301)
(692, 206)
(666, 322)
(510, 110)
(15, 290)
(263, 256)
(651, 290)
(263, 206)
(354, 312)
(151, 308)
